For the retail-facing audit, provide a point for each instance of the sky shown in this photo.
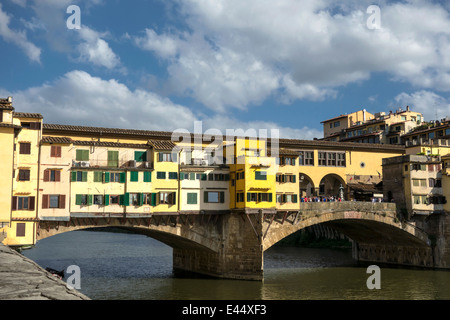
(202, 65)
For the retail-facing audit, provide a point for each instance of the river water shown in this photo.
(124, 266)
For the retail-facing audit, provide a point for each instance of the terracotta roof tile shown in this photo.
(27, 115)
(109, 144)
(162, 144)
(61, 140)
(87, 129)
(10, 125)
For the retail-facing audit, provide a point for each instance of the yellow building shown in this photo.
(335, 125)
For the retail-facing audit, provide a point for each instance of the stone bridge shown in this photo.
(232, 244)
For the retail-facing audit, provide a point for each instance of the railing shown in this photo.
(122, 163)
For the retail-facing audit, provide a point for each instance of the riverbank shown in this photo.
(23, 279)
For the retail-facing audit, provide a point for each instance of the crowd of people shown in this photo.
(331, 199)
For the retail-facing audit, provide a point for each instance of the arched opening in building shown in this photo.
(306, 186)
(332, 185)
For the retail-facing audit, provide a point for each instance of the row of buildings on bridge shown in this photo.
(57, 172)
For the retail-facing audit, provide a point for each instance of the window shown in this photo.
(134, 176)
(114, 199)
(337, 124)
(98, 199)
(167, 157)
(55, 151)
(24, 175)
(98, 176)
(53, 201)
(82, 155)
(174, 175)
(140, 156)
(419, 182)
(25, 148)
(240, 197)
(147, 176)
(331, 159)
(160, 175)
(322, 159)
(309, 158)
(79, 176)
(258, 197)
(167, 198)
(192, 198)
(134, 199)
(260, 175)
(23, 203)
(240, 175)
(117, 177)
(20, 230)
(113, 158)
(214, 197)
(52, 175)
(341, 159)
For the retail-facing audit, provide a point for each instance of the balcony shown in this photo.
(121, 163)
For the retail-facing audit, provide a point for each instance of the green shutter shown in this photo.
(140, 156)
(113, 158)
(134, 176)
(141, 199)
(122, 177)
(106, 177)
(98, 176)
(160, 156)
(126, 199)
(192, 198)
(294, 198)
(74, 176)
(222, 196)
(204, 176)
(181, 175)
(106, 200)
(205, 196)
(248, 196)
(293, 178)
(78, 199)
(153, 200)
(84, 176)
(270, 197)
(90, 199)
(147, 176)
(192, 176)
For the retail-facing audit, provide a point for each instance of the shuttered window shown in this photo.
(192, 198)
(25, 148)
(134, 176)
(20, 230)
(140, 155)
(52, 175)
(82, 155)
(55, 151)
(260, 175)
(147, 176)
(53, 201)
(113, 158)
(24, 175)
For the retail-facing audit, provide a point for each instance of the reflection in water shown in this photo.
(130, 266)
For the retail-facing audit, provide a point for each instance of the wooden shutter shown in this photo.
(248, 197)
(45, 201)
(31, 203)
(78, 199)
(122, 177)
(270, 197)
(62, 201)
(74, 176)
(47, 175)
(153, 199)
(84, 176)
(57, 175)
(106, 177)
(106, 200)
(14, 203)
(20, 230)
(205, 196)
(89, 199)
(222, 196)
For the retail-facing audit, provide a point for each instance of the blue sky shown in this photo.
(249, 64)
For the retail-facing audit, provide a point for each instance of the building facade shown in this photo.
(58, 172)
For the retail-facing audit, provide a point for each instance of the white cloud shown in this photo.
(18, 38)
(239, 53)
(432, 105)
(95, 50)
(79, 98)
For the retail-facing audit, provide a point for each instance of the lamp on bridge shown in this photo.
(341, 192)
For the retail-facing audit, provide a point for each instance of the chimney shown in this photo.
(407, 108)
(364, 115)
(9, 99)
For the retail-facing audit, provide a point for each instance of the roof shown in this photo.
(162, 144)
(101, 130)
(9, 125)
(110, 144)
(364, 187)
(335, 118)
(61, 140)
(27, 115)
(6, 104)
